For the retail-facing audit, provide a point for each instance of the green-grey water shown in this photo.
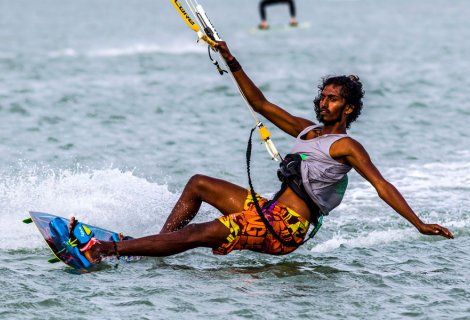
(108, 107)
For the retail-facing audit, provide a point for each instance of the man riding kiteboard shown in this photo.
(314, 179)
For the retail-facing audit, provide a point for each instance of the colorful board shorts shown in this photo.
(248, 232)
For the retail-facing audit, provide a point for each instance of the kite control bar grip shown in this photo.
(205, 38)
(210, 36)
(207, 25)
(193, 25)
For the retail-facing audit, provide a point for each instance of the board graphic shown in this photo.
(54, 230)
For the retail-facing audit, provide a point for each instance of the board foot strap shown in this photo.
(62, 238)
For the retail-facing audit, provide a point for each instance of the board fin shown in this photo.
(54, 260)
(27, 220)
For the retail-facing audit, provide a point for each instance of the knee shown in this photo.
(199, 182)
(192, 233)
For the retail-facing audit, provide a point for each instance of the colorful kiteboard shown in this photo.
(55, 231)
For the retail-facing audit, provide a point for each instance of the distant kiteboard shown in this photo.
(54, 229)
(282, 27)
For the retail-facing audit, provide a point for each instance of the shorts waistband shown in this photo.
(271, 204)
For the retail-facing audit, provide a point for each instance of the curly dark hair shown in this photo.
(351, 91)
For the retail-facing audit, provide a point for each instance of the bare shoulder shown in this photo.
(297, 125)
(346, 147)
(303, 123)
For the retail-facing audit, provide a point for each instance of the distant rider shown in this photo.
(262, 11)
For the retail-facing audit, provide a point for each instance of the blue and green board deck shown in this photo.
(43, 222)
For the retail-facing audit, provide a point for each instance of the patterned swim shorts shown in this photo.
(248, 232)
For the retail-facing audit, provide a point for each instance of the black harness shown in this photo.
(290, 176)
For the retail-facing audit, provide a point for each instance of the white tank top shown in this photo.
(324, 179)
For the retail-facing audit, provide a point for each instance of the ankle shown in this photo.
(115, 249)
(107, 249)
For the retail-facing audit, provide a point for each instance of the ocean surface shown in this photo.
(108, 107)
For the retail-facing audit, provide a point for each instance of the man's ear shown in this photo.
(349, 108)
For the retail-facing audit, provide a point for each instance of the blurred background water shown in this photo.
(108, 107)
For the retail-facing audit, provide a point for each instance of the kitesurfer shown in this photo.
(314, 179)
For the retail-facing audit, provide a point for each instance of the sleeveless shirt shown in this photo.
(324, 179)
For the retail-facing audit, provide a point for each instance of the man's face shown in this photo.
(332, 105)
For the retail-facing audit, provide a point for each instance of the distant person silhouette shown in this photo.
(262, 11)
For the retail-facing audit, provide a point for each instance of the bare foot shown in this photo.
(93, 251)
(263, 25)
(293, 22)
(96, 250)
(72, 223)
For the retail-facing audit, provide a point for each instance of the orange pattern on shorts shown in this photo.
(248, 232)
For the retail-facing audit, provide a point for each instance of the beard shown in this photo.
(322, 120)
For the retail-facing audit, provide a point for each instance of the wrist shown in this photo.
(115, 248)
(420, 226)
(233, 64)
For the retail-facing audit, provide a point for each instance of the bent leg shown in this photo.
(223, 195)
(209, 234)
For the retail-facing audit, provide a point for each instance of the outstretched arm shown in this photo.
(282, 119)
(355, 154)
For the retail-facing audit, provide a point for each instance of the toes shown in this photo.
(72, 223)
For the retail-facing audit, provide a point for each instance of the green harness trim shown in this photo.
(315, 230)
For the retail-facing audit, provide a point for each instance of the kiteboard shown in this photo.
(55, 232)
(281, 27)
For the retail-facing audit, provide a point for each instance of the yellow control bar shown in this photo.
(193, 25)
(263, 131)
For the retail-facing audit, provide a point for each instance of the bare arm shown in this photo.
(282, 119)
(355, 154)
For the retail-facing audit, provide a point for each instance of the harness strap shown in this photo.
(255, 199)
(299, 191)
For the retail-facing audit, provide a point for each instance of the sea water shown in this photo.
(108, 107)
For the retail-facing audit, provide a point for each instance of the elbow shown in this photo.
(382, 194)
(383, 190)
(259, 105)
(257, 100)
